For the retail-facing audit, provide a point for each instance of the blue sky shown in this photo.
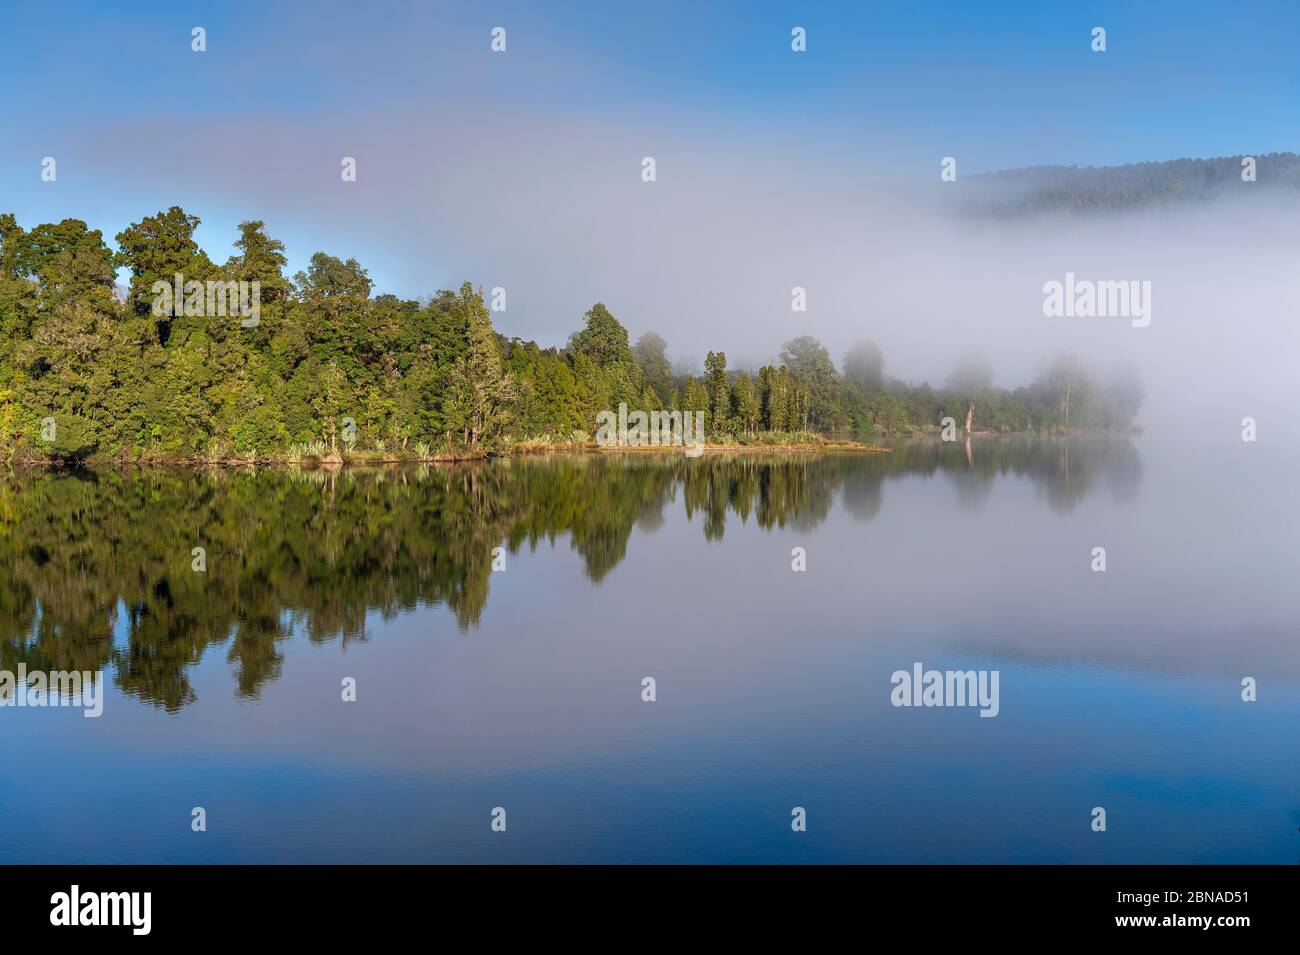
(500, 168)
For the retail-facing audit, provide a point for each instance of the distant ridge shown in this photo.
(1069, 190)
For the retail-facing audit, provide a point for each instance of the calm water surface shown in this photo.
(522, 688)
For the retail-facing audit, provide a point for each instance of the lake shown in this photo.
(520, 686)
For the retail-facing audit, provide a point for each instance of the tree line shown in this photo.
(1074, 190)
(330, 368)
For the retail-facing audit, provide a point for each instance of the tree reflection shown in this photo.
(85, 556)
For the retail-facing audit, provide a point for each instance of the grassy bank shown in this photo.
(318, 454)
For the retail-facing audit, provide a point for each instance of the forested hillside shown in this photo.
(330, 368)
(1092, 189)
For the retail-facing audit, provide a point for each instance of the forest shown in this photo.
(1089, 190)
(90, 370)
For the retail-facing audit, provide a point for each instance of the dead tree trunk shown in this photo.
(970, 416)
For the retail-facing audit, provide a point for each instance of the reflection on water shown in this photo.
(521, 687)
(317, 551)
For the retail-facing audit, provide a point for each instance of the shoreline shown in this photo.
(338, 461)
(850, 447)
(363, 460)
(524, 448)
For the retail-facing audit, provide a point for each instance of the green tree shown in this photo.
(604, 342)
(745, 403)
(696, 395)
(480, 390)
(651, 353)
(819, 395)
(261, 259)
(156, 249)
(719, 389)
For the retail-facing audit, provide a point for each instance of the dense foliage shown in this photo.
(329, 367)
(1071, 190)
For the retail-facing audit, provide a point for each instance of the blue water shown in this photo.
(1119, 690)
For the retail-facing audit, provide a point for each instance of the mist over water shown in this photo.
(708, 254)
(499, 618)
(775, 170)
